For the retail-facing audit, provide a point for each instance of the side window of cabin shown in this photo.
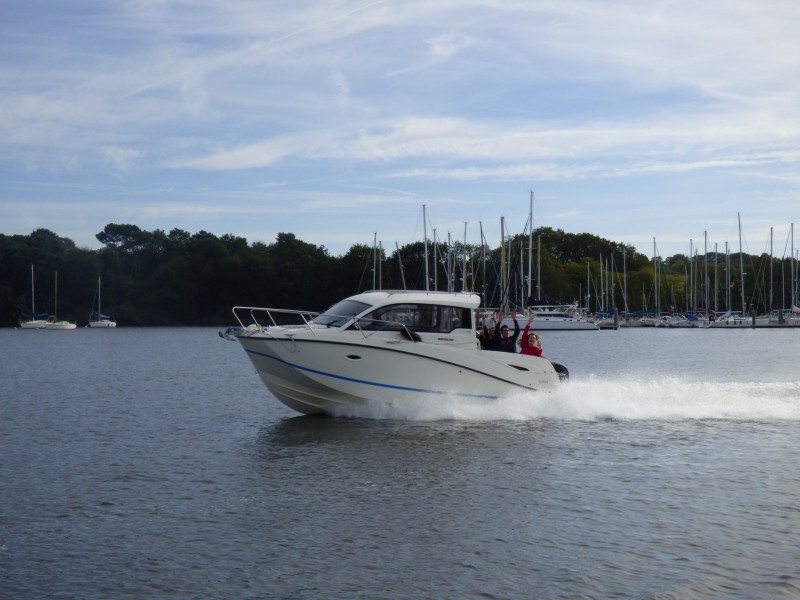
(419, 317)
(391, 317)
(454, 318)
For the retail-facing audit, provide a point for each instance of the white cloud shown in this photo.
(586, 97)
(120, 158)
(341, 88)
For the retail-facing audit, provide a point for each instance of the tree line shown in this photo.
(154, 278)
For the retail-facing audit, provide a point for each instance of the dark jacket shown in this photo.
(507, 344)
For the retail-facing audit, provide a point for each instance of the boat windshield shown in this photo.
(340, 313)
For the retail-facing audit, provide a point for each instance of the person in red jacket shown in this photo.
(530, 342)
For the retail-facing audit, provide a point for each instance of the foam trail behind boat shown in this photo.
(665, 399)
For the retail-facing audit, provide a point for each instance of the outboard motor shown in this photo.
(563, 373)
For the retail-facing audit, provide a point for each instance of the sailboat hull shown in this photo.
(60, 326)
(105, 324)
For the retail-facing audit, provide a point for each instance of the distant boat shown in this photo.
(98, 319)
(37, 320)
(557, 317)
(53, 322)
(605, 320)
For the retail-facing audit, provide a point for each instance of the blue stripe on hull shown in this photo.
(366, 382)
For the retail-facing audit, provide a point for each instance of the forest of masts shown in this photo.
(178, 278)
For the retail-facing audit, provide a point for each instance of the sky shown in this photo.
(655, 124)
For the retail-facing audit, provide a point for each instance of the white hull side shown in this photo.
(562, 324)
(546, 323)
(744, 323)
(60, 326)
(102, 324)
(318, 374)
(35, 324)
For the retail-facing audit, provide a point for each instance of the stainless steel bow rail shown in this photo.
(255, 315)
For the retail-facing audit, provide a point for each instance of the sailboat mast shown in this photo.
(483, 262)
(425, 235)
(33, 296)
(770, 272)
(602, 299)
(705, 260)
(625, 279)
(728, 301)
(539, 266)
(464, 269)
(374, 258)
(435, 261)
(530, 248)
(451, 276)
(692, 277)
(400, 263)
(503, 296)
(741, 261)
(655, 279)
(55, 303)
(791, 267)
(716, 279)
(588, 286)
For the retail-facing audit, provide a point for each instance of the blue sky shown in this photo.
(337, 121)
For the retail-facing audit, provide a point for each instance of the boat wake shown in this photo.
(665, 399)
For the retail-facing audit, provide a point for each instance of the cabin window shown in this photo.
(418, 317)
(338, 314)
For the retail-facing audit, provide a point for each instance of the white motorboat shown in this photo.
(386, 346)
(556, 317)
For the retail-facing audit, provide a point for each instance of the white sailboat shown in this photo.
(98, 319)
(550, 317)
(53, 322)
(739, 319)
(36, 321)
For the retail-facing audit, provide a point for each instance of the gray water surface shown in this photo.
(152, 463)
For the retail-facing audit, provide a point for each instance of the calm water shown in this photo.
(152, 463)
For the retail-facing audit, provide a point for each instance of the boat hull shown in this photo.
(60, 326)
(545, 322)
(102, 324)
(315, 373)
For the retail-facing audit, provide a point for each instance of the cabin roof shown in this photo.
(382, 297)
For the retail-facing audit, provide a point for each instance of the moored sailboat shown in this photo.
(37, 320)
(98, 319)
(52, 322)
